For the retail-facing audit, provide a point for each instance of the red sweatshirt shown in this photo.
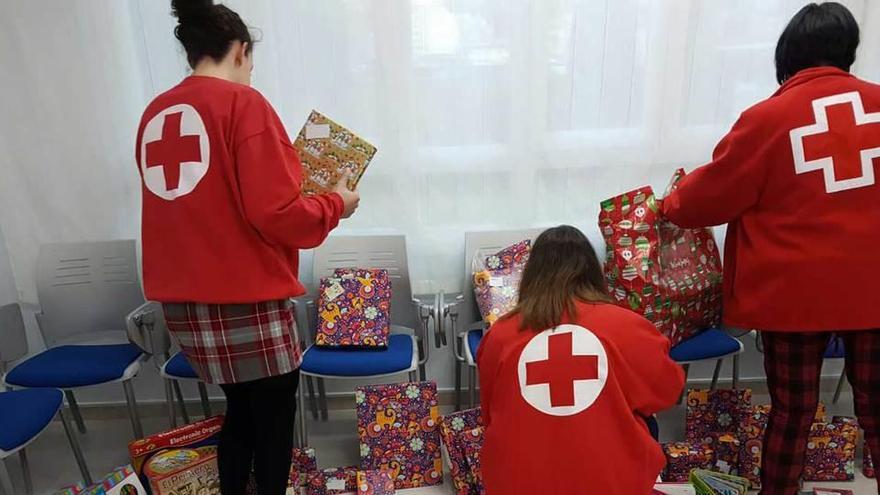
(564, 408)
(795, 182)
(223, 217)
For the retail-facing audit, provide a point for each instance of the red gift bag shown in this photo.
(670, 275)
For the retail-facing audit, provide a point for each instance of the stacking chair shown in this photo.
(24, 414)
(710, 344)
(85, 292)
(408, 348)
(463, 306)
(146, 329)
(836, 350)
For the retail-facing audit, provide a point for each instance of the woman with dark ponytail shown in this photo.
(223, 222)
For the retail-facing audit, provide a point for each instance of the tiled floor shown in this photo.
(53, 466)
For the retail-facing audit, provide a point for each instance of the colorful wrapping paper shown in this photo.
(451, 426)
(399, 431)
(472, 442)
(375, 483)
(831, 452)
(327, 150)
(354, 307)
(727, 448)
(121, 481)
(332, 481)
(712, 413)
(670, 275)
(752, 426)
(496, 280)
(683, 457)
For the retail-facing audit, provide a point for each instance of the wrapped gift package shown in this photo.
(752, 426)
(472, 441)
(684, 457)
(327, 150)
(199, 434)
(715, 412)
(354, 307)
(451, 426)
(727, 448)
(122, 481)
(333, 481)
(376, 482)
(496, 280)
(176, 471)
(399, 431)
(831, 452)
(670, 275)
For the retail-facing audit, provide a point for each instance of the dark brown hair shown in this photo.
(563, 268)
(207, 30)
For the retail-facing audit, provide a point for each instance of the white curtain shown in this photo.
(487, 113)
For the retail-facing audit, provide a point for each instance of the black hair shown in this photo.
(819, 35)
(207, 30)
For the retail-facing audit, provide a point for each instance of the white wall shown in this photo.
(488, 114)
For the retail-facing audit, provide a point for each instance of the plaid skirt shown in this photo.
(234, 343)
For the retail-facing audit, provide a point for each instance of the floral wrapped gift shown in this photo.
(711, 413)
(727, 448)
(374, 482)
(472, 441)
(450, 427)
(683, 457)
(831, 452)
(496, 280)
(752, 426)
(332, 481)
(399, 431)
(354, 307)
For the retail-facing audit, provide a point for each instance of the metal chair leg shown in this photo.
(206, 403)
(74, 409)
(303, 420)
(5, 480)
(313, 403)
(169, 400)
(687, 369)
(322, 399)
(472, 385)
(839, 388)
(132, 410)
(716, 374)
(179, 394)
(457, 385)
(26, 472)
(412, 376)
(77, 451)
(736, 371)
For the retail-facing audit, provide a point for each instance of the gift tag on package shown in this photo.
(335, 290)
(496, 281)
(317, 131)
(336, 484)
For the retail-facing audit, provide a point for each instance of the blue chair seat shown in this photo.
(473, 342)
(71, 366)
(395, 358)
(709, 344)
(25, 413)
(179, 367)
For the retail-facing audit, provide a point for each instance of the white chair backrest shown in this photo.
(373, 251)
(484, 244)
(86, 288)
(13, 337)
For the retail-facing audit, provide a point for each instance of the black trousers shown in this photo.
(258, 433)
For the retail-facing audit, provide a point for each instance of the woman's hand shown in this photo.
(350, 199)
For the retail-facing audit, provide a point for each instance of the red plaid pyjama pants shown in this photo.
(793, 362)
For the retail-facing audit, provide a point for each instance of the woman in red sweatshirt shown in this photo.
(223, 220)
(567, 380)
(794, 181)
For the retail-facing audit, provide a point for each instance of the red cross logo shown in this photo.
(175, 152)
(562, 371)
(842, 143)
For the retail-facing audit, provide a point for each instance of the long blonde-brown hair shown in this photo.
(563, 268)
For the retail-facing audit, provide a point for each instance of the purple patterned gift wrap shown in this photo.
(684, 457)
(399, 432)
(353, 308)
(496, 282)
(472, 441)
(450, 427)
(332, 481)
(375, 482)
(711, 413)
(831, 452)
(752, 426)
